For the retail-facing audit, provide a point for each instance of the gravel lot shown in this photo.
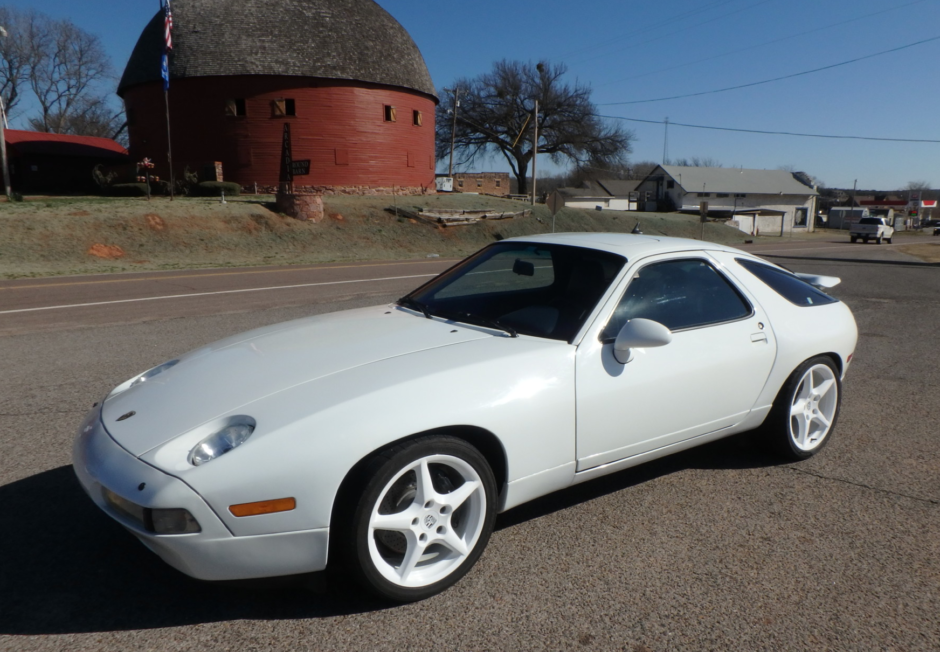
(718, 548)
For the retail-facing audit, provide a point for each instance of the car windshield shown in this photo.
(533, 289)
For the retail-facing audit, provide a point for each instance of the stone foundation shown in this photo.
(344, 190)
(301, 206)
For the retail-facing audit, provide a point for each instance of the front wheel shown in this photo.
(423, 518)
(888, 240)
(806, 410)
(854, 238)
(878, 240)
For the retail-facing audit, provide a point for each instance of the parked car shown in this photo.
(931, 225)
(871, 228)
(384, 440)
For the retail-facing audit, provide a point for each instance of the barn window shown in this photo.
(283, 108)
(479, 183)
(390, 113)
(235, 107)
(417, 118)
(460, 183)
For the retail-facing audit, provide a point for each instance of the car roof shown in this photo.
(626, 244)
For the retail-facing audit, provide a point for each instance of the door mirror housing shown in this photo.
(639, 334)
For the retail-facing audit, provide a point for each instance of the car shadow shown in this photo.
(66, 567)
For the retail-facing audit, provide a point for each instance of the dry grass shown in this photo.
(63, 235)
(927, 252)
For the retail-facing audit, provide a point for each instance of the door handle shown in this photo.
(758, 337)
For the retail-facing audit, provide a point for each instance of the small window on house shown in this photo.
(417, 118)
(390, 113)
(740, 194)
(704, 194)
(460, 183)
(670, 184)
(498, 183)
(235, 107)
(722, 194)
(282, 108)
(479, 183)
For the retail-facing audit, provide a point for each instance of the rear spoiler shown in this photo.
(821, 282)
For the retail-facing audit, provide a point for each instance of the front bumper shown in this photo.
(214, 553)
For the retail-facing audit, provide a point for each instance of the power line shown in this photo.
(775, 79)
(771, 133)
(763, 44)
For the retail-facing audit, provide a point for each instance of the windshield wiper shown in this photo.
(471, 318)
(414, 304)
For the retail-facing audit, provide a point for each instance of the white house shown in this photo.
(603, 194)
(768, 202)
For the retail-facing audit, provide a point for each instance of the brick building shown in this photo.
(485, 183)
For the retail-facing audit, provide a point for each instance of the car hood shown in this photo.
(221, 378)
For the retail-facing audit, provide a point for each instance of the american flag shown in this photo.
(167, 25)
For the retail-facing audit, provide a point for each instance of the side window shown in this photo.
(679, 294)
(793, 289)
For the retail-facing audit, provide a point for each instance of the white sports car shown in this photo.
(384, 440)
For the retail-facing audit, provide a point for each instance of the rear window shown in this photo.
(790, 287)
(870, 220)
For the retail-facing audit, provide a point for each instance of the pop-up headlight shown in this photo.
(228, 438)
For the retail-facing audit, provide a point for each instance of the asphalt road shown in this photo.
(718, 548)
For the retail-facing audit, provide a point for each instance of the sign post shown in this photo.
(555, 203)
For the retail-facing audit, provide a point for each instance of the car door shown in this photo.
(706, 379)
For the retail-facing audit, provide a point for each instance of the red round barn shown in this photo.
(344, 74)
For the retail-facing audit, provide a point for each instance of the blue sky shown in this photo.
(629, 51)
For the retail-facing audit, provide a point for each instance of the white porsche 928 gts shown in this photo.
(383, 441)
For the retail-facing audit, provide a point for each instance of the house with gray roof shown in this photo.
(764, 202)
(609, 194)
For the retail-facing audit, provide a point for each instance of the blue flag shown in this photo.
(165, 72)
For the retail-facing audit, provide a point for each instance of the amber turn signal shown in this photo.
(263, 507)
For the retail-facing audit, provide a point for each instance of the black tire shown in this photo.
(888, 240)
(878, 240)
(778, 428)
(370, 554)
(854, 238)
(865, 239)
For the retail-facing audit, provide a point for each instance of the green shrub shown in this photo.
(127, 190)
(216, 188)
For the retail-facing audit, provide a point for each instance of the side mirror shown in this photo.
(639, 334)
(523, 268)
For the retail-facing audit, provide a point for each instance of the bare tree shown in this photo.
(89, 117)
(496, 115)
(917, 185)
(66, 65)
(697, 162)
(14, 59)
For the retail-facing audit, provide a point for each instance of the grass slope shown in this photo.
(54, 235)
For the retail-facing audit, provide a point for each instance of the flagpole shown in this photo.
(167, 26)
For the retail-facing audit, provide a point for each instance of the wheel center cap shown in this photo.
(429, 521)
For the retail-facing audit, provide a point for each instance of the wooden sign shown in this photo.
(300, 168)
(287, 169)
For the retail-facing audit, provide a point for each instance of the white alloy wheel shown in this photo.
(427, 520)
(814, 407)
(415, 517)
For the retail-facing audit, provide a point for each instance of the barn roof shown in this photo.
(40, 143)
(333, 39)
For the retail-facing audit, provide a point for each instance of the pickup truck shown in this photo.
(871, 228)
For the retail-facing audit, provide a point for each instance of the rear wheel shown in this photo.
(806, 410)
(854, 238)
(865, 239)
(422, 520)
(888, 240)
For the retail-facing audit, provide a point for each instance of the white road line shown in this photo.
(205, 294)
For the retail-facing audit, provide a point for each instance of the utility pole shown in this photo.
(453, 133)
(535, 147)
(3, 141)
(666, 142)
(852, 209)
